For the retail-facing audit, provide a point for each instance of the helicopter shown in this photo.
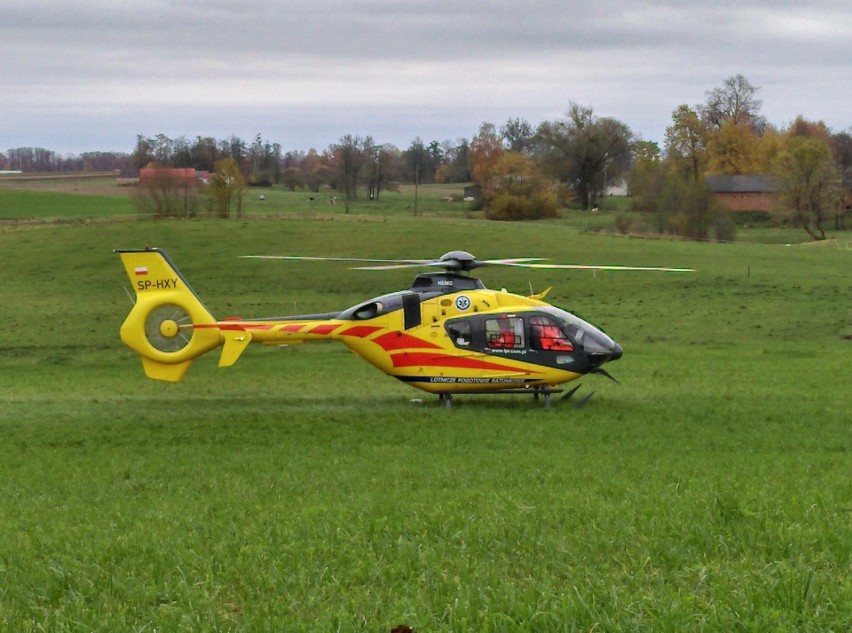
(447, 334)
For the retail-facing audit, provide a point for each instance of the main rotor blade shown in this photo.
(392, 266)
(518, 262)
(413, 262)
(509, 261)
(603, 267)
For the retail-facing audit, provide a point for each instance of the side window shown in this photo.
(459, 333)
(504, 333)
(545, 334)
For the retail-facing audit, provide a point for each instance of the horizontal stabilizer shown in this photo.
(235, 344)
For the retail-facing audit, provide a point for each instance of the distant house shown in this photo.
(181, 177)
(184, 176)
(617, 188)
(744, 192)
(472, 192)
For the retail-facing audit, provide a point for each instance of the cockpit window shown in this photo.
(545, 334)
(459, 333)
(504, 333)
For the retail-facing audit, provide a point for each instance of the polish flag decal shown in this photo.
(141, 270)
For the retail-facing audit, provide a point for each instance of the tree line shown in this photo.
(727, 135)
(530, 171)
(41, 160)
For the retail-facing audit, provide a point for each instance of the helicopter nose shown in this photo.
(600, 356)
(613, 353)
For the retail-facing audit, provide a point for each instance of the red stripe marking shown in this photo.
(397, 340)
(412, 359)
(293, 328)
(231, 326)
(324, 329)
(361, 331)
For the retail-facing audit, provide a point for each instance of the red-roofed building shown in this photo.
(181, 176)
(744, 193)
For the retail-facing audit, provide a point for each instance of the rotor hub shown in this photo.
(459, 260)
(169, 328)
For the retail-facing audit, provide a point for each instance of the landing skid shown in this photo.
(447, 398)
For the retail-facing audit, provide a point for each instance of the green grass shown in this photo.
(36, 202)
(40, 205)
(99, 198)
(430, 201)
(302, 490)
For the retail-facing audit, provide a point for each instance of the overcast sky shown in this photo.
(89, 75)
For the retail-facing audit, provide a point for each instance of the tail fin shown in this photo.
(169, 326)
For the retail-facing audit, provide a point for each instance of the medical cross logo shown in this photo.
(462, 302)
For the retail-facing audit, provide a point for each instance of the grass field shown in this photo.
(84, 199)
(70, 200)
(302, 490)
(18, 205)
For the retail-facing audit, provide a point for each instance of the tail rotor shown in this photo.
(168, 326)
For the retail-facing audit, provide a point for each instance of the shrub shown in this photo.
(623, 222)
(507, 206)
(724, 228)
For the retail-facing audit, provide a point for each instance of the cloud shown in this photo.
(106, 63)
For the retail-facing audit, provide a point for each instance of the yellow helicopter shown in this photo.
(447, 334)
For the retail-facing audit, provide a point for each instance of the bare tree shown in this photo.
(349, 158)
(518, 135)
(736, 101)
(165, 192)
(417, 156)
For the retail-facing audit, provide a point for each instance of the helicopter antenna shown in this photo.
(129, 296)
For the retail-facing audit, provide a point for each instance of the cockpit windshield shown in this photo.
(584, 334)
(547, 334)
